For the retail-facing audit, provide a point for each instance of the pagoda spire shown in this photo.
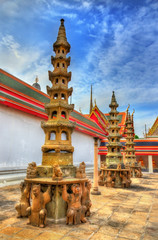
(114, 156)
(61, 38)
(91, 102)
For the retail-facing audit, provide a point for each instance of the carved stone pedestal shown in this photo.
(136, 171)
(57, 207)
(116, 178)
(47, 171)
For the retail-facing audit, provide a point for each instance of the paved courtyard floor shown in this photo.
(116, 214)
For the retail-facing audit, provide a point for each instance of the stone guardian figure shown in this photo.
(37, 212)
(24, 200)
(75, 212)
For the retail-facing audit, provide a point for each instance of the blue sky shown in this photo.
(114, 46)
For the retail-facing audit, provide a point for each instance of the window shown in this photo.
(63, 114)
(52, 135)
(118, 150)
(56, 80)
(63, 81)
(113, 149)
(113, 131)
(112, 139)
(59, 51)
(63, 96)
(57, 64)
(64, 136)
(54, 114)
(62, 51)
(63, 65)
(55, 96)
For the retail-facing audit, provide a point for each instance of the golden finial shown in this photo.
(80, 110)
(128, 107)
(133, 112)
(36, 79)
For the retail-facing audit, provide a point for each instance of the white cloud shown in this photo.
(24, 62)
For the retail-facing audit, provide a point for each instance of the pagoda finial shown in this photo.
(61, 38)
(95, 102)
(91, 102)
(62, 22)
(113, 100)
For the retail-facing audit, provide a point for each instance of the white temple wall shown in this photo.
(21, 138)
(84, 148)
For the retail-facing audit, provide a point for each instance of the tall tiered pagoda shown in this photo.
(57, 148)
(114, 156)
(113, 171)
(130, 157)
(57, 170)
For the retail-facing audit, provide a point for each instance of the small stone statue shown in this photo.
(86, 201)
(75, 212)
(80, 172)
(32, 170)
(138, 173)
(101, 179)
(24, 200)
(128, 179)
(37, 212)
(110, 180)
(103, 165)
(57, 173)
(125, 180)
(119, 166)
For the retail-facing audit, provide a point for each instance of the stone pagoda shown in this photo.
(58, 189)
(130, 157)
(57, 148)
(113, 171)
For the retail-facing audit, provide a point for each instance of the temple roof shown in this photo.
(19, 95)
(153, 131)
(99, 118)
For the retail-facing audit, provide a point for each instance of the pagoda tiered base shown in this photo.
(57, 207)
(116, 178)
(136, 171)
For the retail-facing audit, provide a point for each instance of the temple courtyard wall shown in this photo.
(22, 138)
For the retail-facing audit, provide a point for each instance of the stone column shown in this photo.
(95, 190)
(150, 164)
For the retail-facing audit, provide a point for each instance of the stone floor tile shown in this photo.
(90, 227)
(149, 237)
(130, 234)
(28, 233)
(101, 236)
(3, 237)
(48, 236)
(10, 230)
(108, 230)
(69, 238)
(81, 233)
(134, 227)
